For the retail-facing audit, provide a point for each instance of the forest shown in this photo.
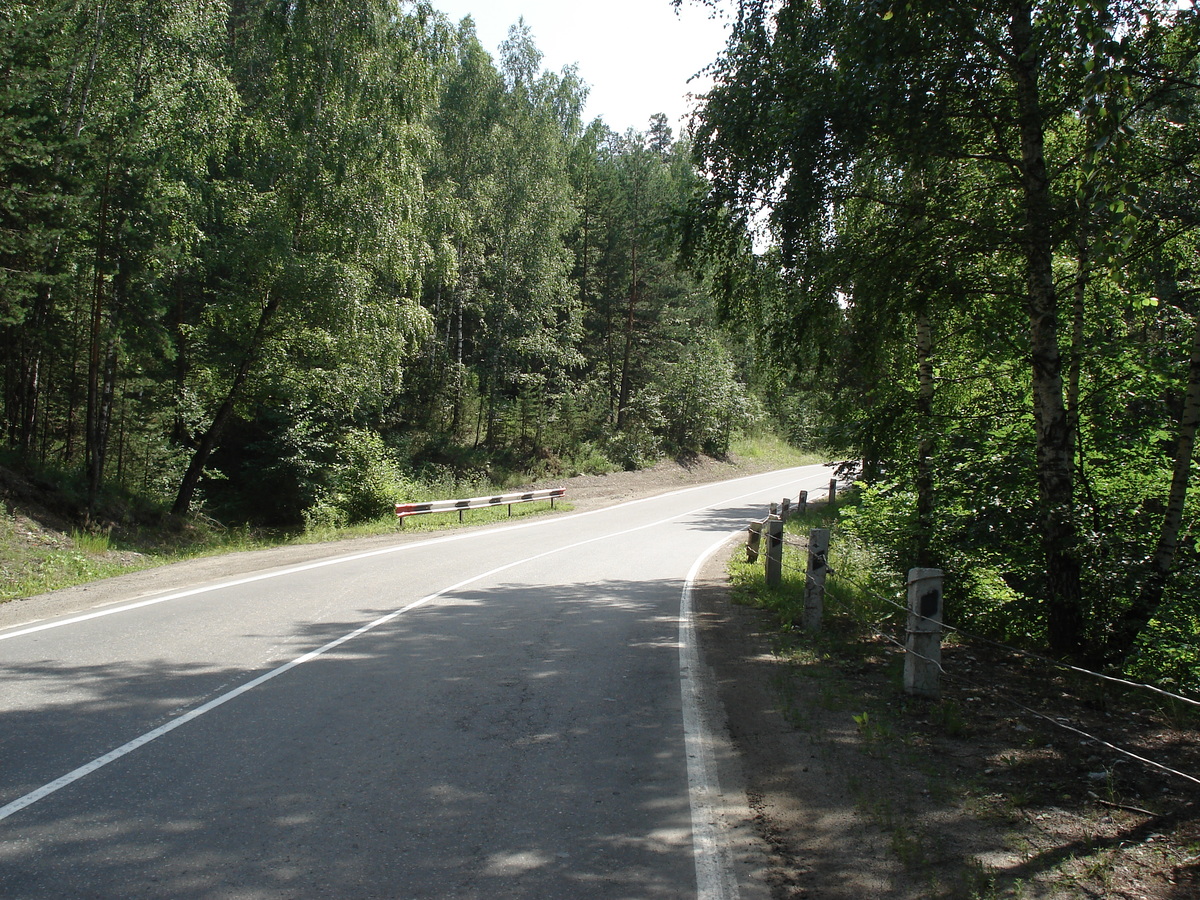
(985, 281)
(276, 260)
(284, 261)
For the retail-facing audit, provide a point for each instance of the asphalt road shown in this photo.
(514, 711)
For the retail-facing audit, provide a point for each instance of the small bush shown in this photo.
(364, 484)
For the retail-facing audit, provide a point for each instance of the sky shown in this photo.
(635, 55)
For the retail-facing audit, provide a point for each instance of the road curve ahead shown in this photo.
(485, 714)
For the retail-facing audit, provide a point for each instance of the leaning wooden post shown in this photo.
(832, 491)
(923, 659)
(814, 578)
(753, 540)
(802, 503)
(774, 550)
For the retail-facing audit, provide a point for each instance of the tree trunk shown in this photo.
(623, 399)
(1078, 319)
(1148, 599)
(925, 442)
(456, 419)
(208, 441)
(94, 428)
(1054, 439)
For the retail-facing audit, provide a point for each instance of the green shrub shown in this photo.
(363, 485)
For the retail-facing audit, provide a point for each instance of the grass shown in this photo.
(33, 561)
(906, 779)
(773, 451)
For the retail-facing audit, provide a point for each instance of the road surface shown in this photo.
(512, 711)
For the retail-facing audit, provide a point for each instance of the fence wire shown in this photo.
(878, 629)
(1066, 726)
(1028, 654)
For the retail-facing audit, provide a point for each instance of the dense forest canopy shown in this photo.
(986, 275)
(288, 260)
(277, 260)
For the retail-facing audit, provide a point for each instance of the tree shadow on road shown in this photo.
(519, 741)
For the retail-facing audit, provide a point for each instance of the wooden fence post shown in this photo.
(753, 540)
(832, 491)
(923, 659)
(802, 503)
(814, 578)
(774, 550)
(785, 508)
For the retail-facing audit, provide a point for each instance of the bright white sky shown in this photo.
(635, 55)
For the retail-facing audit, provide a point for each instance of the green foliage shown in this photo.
(984, 284)
(707, 404)
(1167, 651)
(364, 483)
(276, 265)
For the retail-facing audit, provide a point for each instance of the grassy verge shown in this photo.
(34, 560)
(773, 452)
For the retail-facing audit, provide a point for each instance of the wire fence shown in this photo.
(885, 629)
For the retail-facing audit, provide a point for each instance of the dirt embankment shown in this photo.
(857, 791)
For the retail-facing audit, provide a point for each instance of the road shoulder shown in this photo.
(801, 769)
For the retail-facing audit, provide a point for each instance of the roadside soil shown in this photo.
(853, 790)
(857, 791)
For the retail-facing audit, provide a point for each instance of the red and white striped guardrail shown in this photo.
(404, 510)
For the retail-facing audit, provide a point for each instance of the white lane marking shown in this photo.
(338, 560)
(714, 874)
(140, 741)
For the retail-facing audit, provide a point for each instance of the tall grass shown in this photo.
(773, 450)
(856, 593)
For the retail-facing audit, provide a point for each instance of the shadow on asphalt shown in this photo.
(510, 742)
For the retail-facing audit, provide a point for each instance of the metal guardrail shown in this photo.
(404, 510)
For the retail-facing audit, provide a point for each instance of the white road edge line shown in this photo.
(714, 874)
(125, 749)
(31, 628)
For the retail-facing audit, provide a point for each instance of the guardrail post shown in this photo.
(814, 578)
(753, 540)
(923, 656)
(774, 550)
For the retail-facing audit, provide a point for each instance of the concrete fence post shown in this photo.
(753, 540)
(774, 550)
(923, 656)
(814, 578)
